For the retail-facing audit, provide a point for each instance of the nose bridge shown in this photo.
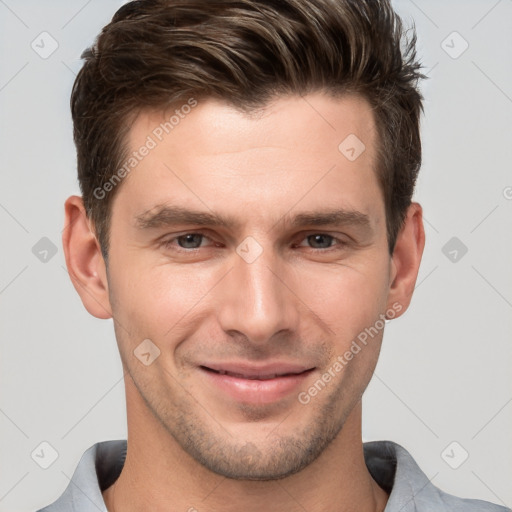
(255, 299)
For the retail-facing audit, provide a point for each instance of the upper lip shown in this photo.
(252, 371)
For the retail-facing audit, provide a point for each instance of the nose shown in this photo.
(256, 299)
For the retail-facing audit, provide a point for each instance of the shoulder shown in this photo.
(98, 468)
(456, 504)
(410, 490)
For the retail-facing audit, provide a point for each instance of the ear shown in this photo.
(406, 258)
(84, 260)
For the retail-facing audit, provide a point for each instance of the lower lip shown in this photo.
(257, 391)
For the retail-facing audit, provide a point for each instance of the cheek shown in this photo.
(348, 297)
(154, 302)
(160, 301)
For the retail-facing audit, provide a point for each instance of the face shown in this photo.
(252, 305)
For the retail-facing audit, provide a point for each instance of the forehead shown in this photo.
(217, 126)
(296, 153)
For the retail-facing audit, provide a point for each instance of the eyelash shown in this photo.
(167, 243)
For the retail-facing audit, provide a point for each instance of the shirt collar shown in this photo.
(390, 465)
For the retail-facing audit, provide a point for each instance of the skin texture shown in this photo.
(303, 300)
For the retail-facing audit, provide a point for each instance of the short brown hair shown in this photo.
(155, 53)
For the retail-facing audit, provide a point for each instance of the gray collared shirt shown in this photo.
(391, 466)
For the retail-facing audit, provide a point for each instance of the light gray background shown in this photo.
(444, 373)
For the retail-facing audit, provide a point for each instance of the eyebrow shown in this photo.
(167, 216)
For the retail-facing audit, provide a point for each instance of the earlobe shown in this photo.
(85, 263)
(406, 258)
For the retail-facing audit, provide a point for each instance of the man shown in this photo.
(247, 170)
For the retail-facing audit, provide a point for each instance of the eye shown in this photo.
(187, 241)
(190, 239)
(190, 242)
(323, 240)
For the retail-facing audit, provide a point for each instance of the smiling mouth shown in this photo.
(255, 377)
(257, 385)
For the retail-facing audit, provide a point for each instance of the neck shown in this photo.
(158, 474)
